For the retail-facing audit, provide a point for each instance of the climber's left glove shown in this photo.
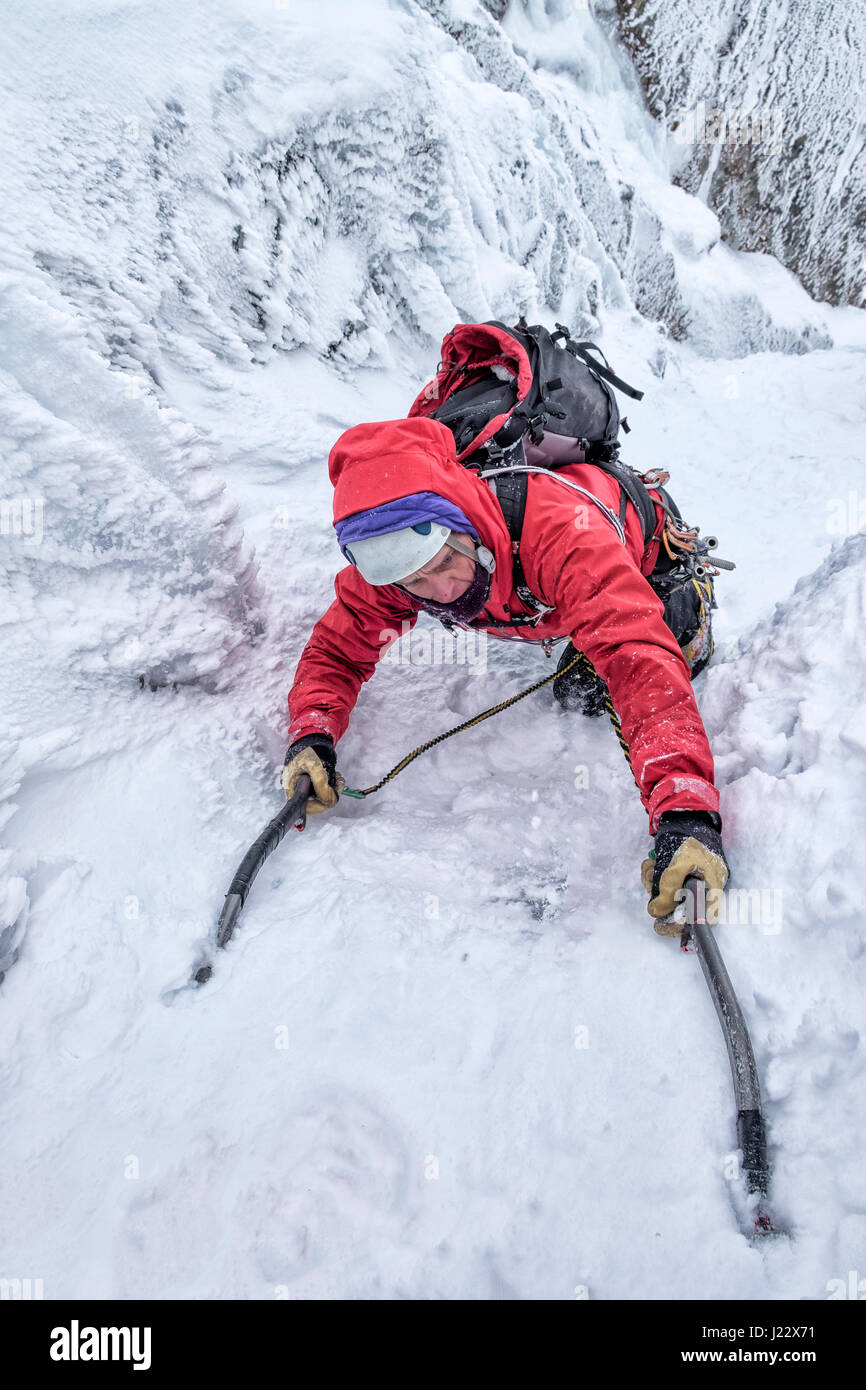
(686, 842)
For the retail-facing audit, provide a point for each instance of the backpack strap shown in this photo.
(631, 488)
(582, 350)
(509, 484)
(510, 490)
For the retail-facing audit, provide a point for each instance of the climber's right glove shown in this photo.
(315, 755)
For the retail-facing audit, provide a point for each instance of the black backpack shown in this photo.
(516, 402)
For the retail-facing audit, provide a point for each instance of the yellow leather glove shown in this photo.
(686, 842)
(315, 755)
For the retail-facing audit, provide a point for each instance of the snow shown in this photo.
(445, 1055)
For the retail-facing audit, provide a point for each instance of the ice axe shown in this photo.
(293, 813)
(751, 1130)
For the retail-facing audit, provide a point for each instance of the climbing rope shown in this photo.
(579, 659)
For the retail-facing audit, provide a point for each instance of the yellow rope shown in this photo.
(579, 658)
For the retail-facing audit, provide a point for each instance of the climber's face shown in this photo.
(444, 578)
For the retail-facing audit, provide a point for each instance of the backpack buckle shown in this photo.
(497, 455)
(494, 454)
(536, 428)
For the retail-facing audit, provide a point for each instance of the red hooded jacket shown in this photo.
(573, 560)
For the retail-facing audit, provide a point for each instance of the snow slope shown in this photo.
(445, 1055)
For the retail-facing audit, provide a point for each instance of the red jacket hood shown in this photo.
(378, 462)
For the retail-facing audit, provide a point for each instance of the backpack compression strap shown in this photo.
(582, 350)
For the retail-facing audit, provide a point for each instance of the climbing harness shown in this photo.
(683, 543)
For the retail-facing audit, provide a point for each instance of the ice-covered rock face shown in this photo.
(764, 103)
(317, 180)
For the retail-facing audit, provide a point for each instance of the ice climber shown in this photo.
(421, 533)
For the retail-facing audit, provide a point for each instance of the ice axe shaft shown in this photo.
(751, 1130)
(293, 813)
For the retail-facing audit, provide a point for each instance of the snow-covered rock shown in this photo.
(762, 104)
